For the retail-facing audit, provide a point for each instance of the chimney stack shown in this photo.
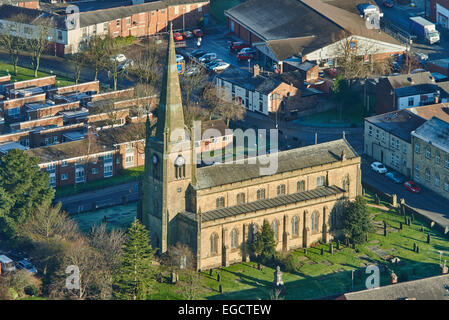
(256, 70)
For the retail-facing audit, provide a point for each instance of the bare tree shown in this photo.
(77, 60)
(192, 84)
(12, 39)
(94, 51)
(220, 106)
(39, 41)
(148, 63)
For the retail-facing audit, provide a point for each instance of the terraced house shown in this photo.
(217, 209)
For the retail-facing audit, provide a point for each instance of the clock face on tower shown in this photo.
(154, 159)
(180, 161)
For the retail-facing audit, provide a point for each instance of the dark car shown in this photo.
(198, 33)
(188, 34)
(239, 45)
(388, 3)
(198, 53)
(393, 176)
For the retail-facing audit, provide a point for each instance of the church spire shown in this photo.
(170, 113)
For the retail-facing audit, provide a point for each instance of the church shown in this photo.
(216, 210)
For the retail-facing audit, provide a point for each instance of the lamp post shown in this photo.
(274, 98)
(249, 65)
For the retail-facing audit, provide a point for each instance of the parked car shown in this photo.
(198, 53)
(188, 34)
(248, 50)
(378, 167)
(395, 177)
(412, 186)
(198, 33)
(128, 63)
(220, 66)
(119, 58)
(417, 71)
(243, 56)
(212, 63)
(27, 266)
(6, 264)
(192, 71)
(178, 36)
(239, 45)
(388, 3)
(207, 57)
(179, 58)
(331, 72)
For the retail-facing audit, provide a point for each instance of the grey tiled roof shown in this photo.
(290, 160)
(405, 80)
(433, 288)
(435, 131)
(399, 123)
(418, 89)
(283, 200)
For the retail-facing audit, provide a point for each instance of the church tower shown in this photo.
(168, 167)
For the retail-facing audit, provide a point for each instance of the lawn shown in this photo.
(26, 74)
(126, 175)
(217, 8)
(331, 274)
(331, 118)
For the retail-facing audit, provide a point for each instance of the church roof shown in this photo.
(264, 204)
(290, 160)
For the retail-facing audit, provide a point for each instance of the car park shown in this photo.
(212, 63)
(178, 36)
(412, 186)
(220, 66)
(395, 177)
(248, 50)
(27, 266)
(378, 167)
(207, 57)
(239, 45)
(188, 34)
(198, 33)
(192, 71)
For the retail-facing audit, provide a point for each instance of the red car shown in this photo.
(198, 33)
(237, 46)
(178, 36)
(412, 186)
(243, 56)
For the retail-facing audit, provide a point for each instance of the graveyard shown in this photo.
(322, 274)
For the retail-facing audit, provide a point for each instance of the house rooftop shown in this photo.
(406, 80)
(418, 89)
(440, 110)
(399, 123)
(5, 147)
(436, 132)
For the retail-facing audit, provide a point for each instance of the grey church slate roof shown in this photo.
(433, 288)
(283, 200)
(290, 160)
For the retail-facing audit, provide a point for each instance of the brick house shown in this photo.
(439, 12)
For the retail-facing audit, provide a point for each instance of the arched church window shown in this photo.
(315, 221)
(214, 244)
(281, 189)
(241, 198)
(260, 194)
(301, 185)
(275, 227)
(180, 167)
(295, 225)
(220, 202)
(234, 239)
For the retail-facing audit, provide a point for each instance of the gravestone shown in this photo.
(366, 237)
(376, 199)
(353, 245)
(409, 221)
(218, 277)
(173, 278)
(428, 238)
(422, 228)
(400, 225)
(338, 244)
(412, 216)
(210, 272)
(394, 200)
(414, 246)
(305, 250)
(220, 288)
(331, 248)
(417, 249)
(277, 282)
(347, 242)
(322, 251)
(406, 220)
(385, 232)
(258, 266)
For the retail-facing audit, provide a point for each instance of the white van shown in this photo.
(6, 264)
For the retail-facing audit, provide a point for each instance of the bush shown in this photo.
(31, 290)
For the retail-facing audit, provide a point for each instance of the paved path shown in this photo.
(100, 198)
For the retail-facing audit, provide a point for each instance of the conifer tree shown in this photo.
(136, 272)
(264, 244)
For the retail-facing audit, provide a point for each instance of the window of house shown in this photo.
(427, 174)
(59, 35)
(163, 11)
(260, 194)
(404, 148)
(64, 176)
(370, 130)
(64, 163)
(301, 185)
(428, 153)
(392, 160)
(117, 22)
(417, 172)
(437, 179)
(128, 20)
(176, 10)
(417, 148)
(383, 136)
(220, 202)
(94, 170)
(241, 198)
(446, 184)
(13, 111)
(411, 101)
(281, 189)
(392, 142)
(437, 158)
(295, 228)
(108, 170)
(234, 239)
(105, 26)
(446, 162)
(315, 221)
(200, 8)
(320, 181)
(129, 161)
(397, 144)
